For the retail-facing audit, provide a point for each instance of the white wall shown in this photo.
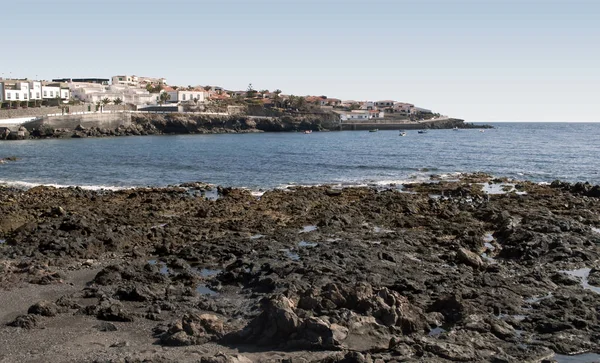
(35, 90)
(50, 92)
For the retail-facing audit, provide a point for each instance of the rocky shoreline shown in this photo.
(469, 270)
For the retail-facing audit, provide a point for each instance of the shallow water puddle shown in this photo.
(164, 270)
(536, 299)
(292, 255)
(487, 242)
(516, 317)
(488, 238)
(437, 331)
(206, 272)
(308, 229)
(211, 194)
(381, 230)
(583, 274)
(202, 289)
(307, 244)
(500, 188)
(579, 358)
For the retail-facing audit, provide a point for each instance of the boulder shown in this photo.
(451, 351)
(470, 258)
(44, 308)
(28, 321)
(113, 311)
(193, 329)
(225, 358)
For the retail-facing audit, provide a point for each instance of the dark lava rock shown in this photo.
(193, 329)
(113, 311)
(106, 327)
(28, 321)
(44, 308)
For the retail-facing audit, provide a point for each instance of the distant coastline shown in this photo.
(138, 124)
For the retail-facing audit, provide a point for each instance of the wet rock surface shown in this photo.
(359, 274)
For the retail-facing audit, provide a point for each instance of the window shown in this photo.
(8, 95)
(183, 96)
(25, 96)
(120, 79)
(17, 96)
(51, 93)
(45, 94)
(37, 95)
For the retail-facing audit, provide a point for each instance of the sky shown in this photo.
(479, 60)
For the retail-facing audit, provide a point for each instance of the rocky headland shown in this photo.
(469, 270)
(187, 123)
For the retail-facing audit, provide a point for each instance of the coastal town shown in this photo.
(134, 93)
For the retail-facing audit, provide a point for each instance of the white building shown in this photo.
(403, 108)
(367, 105)
(14, 90)
(94, 93)
(384, 104)
(376, 114)
(52, 91)
(355, 115)
(178, 96)
(127, 80)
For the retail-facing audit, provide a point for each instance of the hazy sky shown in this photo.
(481, 60)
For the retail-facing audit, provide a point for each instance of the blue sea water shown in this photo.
(540, 152)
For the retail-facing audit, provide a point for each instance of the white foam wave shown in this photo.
(29, 185)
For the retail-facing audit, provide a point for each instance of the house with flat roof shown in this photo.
(356, 115)
(14, 90)
(184, 95)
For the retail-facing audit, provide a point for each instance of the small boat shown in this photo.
(308, 132)
(422, 131)
(373, 130)
(481, 130)
(455, 128)
(402, 133)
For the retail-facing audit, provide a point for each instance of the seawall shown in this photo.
(100, 120)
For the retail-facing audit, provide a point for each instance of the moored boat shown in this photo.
(402, 133)
(373, 130)
(422, 131)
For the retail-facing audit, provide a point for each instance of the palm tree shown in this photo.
(164, 97)
(117, 101)
(106, 101)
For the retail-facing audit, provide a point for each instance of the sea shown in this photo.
(538, 152)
